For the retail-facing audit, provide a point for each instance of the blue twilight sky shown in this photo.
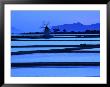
(31, 21)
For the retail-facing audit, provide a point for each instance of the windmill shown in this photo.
(46, 29)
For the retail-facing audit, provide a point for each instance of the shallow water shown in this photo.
(61, 39)
(23, 43)
(44, 71)
(73, 71)
(57, 57)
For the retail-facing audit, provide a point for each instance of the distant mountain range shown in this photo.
(77, 27)
(68, 27)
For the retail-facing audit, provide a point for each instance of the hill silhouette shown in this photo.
(77, 27)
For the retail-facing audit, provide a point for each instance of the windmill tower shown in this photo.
(46, 30)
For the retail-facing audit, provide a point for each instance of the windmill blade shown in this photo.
(43, 25)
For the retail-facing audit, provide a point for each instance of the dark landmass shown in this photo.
(67, 32)
(76, 27)
(52, 36)
(15, 39)
(51, 51)
(35, 64)
(81, 46)
(65, 50)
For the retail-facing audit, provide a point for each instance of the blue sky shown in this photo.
(31, 21)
